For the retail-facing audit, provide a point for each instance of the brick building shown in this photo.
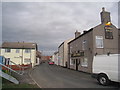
(99, 40)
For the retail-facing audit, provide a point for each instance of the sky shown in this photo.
(50, 23)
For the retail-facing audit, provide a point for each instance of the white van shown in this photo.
(105, 68)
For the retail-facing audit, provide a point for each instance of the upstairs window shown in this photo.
(17, 50)
(7, 50)
(84, 46)
(27, 50)
(99, 42)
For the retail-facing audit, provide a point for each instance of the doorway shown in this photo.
(77, 64)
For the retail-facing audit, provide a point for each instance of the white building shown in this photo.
(56, 58)
(53, 58)
(63, 53)
(20, 52)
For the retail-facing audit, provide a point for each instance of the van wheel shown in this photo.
(103, 79)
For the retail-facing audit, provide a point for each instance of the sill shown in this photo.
(84, 66)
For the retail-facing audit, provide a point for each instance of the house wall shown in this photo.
(61, 55)
(119, 41)
(21, 57)
(52, 59)
(65, 60)
(56, 58)
(77, 46)
(109, 45)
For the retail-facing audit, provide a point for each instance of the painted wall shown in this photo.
(61, 55)
(53, 58)
(65, 59)
(81, 44)
(22, 57)
(108, 45)
(56, 58)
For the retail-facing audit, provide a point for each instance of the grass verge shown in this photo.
(8, 84)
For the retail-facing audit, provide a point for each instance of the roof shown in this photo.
(19, 45)
(61, 44)
(81, 35)
(38, 54)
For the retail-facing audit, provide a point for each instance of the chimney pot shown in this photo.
(77, 34)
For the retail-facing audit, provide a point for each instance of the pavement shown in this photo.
(25, 78)
(53, 76)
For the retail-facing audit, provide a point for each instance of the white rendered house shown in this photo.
(21, 53)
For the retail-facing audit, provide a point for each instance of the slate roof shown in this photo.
(19, 45)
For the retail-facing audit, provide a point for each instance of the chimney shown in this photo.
(84, 31)
(105, 16)
(77, 34)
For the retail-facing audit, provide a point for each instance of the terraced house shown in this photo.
(99, 40)
(63, 53)
(21, 53)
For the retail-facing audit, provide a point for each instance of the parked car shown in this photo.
(105, 68)
(51, 63)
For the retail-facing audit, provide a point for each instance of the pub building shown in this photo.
(99, 40)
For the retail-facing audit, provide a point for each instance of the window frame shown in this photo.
(17, 50)
(99, 42)
(27, 50)
(84, 45)
(84, 63)
(8, 50)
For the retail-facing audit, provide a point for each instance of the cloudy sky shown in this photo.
(50, 23)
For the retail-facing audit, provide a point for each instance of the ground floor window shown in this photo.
(72, 61)
(27, 60)
(84, 62)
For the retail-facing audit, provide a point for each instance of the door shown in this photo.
(77, 64)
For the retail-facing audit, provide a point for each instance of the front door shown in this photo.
(77, 64)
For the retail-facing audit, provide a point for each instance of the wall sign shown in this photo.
(108, 32)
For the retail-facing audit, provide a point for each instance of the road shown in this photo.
(52, 76)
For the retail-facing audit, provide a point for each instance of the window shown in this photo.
(74, 61)
(8, 50)
(84, 45)
(84, 62)
(71, 62)
(17, 50)
(27, 50)
(27, 60)
(108, 32)
(99, 41)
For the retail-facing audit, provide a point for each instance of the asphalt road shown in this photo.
(52, 76)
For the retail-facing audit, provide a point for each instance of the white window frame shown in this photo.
(99, 42)
(27, 60)
(71, 62)
(27, 50)
(84, 44)
(17, 50)
(84, 62)
(6, 50)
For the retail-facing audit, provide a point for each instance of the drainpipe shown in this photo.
(30, 57)
(0, 51)
(22, 57)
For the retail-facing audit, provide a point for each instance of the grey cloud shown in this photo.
(49, 24)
